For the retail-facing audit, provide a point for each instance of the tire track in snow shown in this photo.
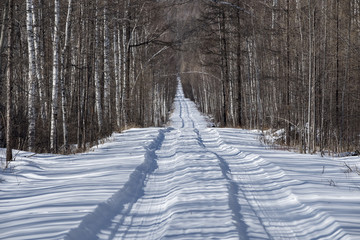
(46, 195)
(233, 188)
(133, 189)
(187, 196)
(233, 191)
(263, 183)
(188, 114)
(204, 188)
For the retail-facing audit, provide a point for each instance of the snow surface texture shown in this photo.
(186, 181)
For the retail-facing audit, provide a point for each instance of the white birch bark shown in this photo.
(324, 77)
(250, 77)
(117, 57)
(257, 70)
(302, 71)
(55, 80)
(310, 80)
(231, 102)
(106, 66)
(62, 77)
(156, 104)
(2, 32)
(39, 67)
(31, 76)
(73, 49)
(96, 75)
(274, 108)
(9, 83)
(124, 67)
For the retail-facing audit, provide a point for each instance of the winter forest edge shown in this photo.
(73, 72)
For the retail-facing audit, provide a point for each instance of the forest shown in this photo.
(73, 72)
(281, 64)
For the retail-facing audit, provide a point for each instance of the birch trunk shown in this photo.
(224, 65)
(55, 80)
(9, 83)
(62, 78)
(124, 74)
(39, 68)
(303, 133)
(323, 79)
(2, 32)
(117, 59)
(310, 80)
(238, 68)
(288, 72)
(314, 83)
(106, 67)
(31, 76)
(96, 76)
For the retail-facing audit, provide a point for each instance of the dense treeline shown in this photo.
(280, 64)
(72, 72)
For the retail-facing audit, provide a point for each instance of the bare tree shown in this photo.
(9, 83)
(31, 77)
(97, 69)
(62, 77)
(106, 66)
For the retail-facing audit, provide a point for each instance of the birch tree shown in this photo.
(62, 77)
(9, 83)
(39, 68)
(106, 66)
(99, 110)
(117, 66)
(55, 79)
(124, 62)
(31, 77)
(77, 63)
(258, 64)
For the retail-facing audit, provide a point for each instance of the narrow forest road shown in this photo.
(203, 188)
(189, 182)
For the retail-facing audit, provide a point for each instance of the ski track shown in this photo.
(188, 182)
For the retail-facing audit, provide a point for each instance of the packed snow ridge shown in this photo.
(186, 181)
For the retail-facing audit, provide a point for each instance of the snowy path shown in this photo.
(183, 182)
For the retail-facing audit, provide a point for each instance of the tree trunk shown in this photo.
(224, 66)
(238, 67)
(55, 81)
(31, 77)
(97, 77)
(107, 101)
(39, 68)
(124, 62)
(3, 32)
(288, 127)
(9, 83)
(323, 79)
(337, 122)
(62, 77)
(117, 65)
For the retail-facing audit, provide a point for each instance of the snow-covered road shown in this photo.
(186, 181)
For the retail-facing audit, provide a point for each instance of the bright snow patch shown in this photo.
(186, 181)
